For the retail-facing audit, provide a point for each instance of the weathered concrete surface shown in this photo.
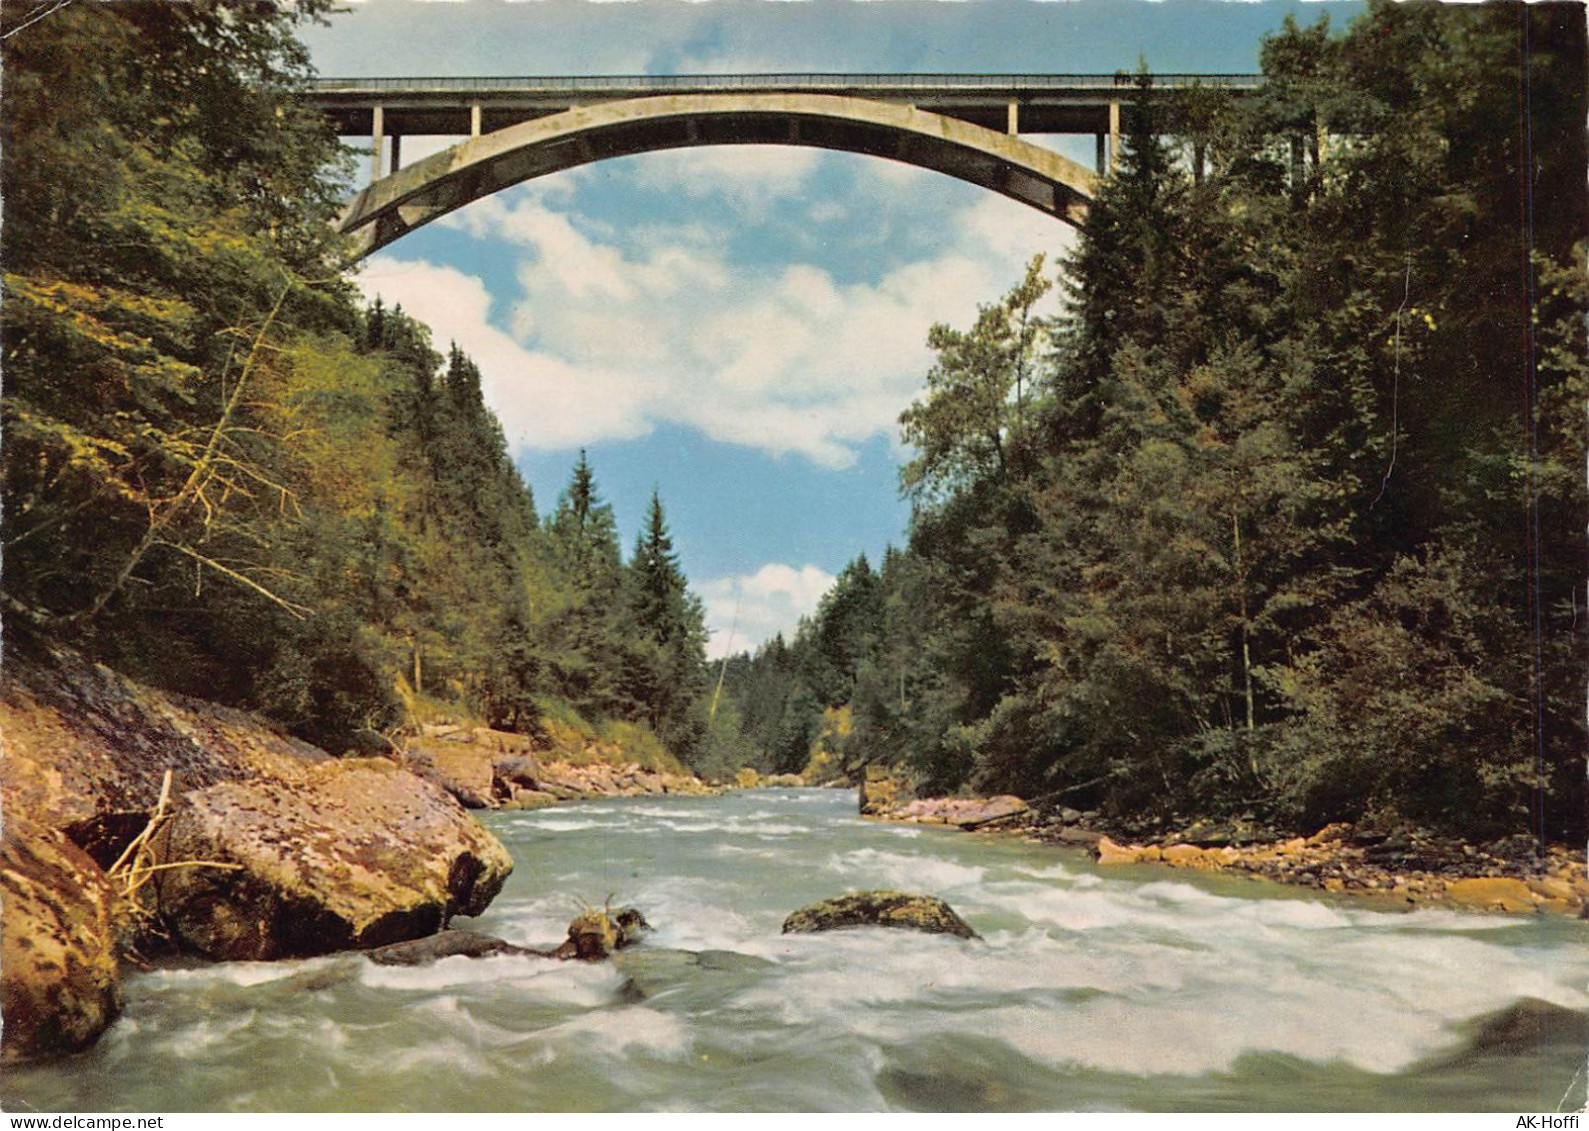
(358, 854)
(59, 982)
(879, 909)
(411, 197)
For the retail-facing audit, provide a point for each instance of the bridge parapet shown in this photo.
(1044, 104)
(966, 126)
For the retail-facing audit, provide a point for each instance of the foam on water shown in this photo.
(567, 824)
(523, 976)
(1083, 981)
(899, 870)
(627, 1030)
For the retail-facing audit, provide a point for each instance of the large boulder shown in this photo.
(964, 812)
(879, 909)
(357, 854)
(516, 771)
(59, 983)
(1108, 853)
(1491, 893)
(464, 770)
(991, 811)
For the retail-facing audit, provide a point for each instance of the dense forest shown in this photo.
(227, 476)
(1281, 517)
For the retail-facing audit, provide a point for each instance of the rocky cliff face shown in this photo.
(268, 847)
(83, 744)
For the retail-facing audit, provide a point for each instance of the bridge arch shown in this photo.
(412, 196)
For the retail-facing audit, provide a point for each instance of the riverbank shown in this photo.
(1388, 862)
(1134, 993)
(492, 769)
(139, 823)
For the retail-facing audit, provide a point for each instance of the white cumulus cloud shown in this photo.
(615, 331)
(745, 610)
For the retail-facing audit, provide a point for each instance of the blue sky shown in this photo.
(739, 327)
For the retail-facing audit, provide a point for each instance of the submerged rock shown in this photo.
(357, 854)
(649, 972)
(879, 909)
(1526, 1026)
(59, 982)
(443, 944)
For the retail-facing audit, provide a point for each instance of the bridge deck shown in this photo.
(1046, 104)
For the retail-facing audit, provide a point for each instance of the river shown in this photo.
(1095, 989)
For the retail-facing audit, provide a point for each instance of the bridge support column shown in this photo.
(474, 120)
(1015, 118)
(377, 141)
(1114, 135)
(1103, 155)
(397, 152)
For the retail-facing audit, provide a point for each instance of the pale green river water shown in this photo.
(1095, 989)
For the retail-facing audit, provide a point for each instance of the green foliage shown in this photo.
(667, 624)
(223, 475)
(977, 394)
(1287, 522)
(1402, 706)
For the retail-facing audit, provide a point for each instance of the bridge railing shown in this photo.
(598, 83)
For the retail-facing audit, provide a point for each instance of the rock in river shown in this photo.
(443, 944)
(596, 934)
(357, 854)
(58, 977)
(879, 909)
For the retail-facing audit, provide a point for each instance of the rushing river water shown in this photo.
(1134, 989)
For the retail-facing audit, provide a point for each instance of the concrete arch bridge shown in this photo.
(966, 126)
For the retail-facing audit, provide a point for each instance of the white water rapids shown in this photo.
(1114, 989)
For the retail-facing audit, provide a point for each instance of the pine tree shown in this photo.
(668, 670)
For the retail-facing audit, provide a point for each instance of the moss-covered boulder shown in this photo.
(596, 934)
(59, 982)
(357, 854)
(879, 909)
